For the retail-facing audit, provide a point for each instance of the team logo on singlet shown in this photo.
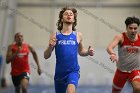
(132, 50)
(66, 42)
(21, 55)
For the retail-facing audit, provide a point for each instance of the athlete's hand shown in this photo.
(90, 51)
(39, 71)
(113, 57)
(18, 50)
(52, 42)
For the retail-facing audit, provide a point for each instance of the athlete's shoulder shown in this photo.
(53, 34)
(30, 46)
(119, 36)
(79, 36)
(12, 44)
(24, 43)
(79, 33)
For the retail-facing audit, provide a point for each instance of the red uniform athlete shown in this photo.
(128, 62)
(17, 55)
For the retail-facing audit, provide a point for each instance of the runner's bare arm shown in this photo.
(10, 55)
(34, 54)
(50, 48)
(82, 51)
(117, 39)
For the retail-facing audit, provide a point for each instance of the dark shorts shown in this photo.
(17, 79)
(72, 78)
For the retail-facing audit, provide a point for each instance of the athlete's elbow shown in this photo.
(7, 61)
(82, 54)
(46, 56)
(107, 49)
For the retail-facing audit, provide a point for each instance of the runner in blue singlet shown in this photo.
(67, 43)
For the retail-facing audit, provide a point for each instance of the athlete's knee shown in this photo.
(136, 85)
(24, 89)
(136, 88)
(71, 88)
(71, 91)
(115, 90)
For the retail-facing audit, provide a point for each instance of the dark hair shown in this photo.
(60, 23)
(131, 20)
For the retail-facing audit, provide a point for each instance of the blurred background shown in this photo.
(98, 20)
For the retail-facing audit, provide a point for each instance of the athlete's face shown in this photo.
(132, 30)
(68, 17)
(19, 38)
